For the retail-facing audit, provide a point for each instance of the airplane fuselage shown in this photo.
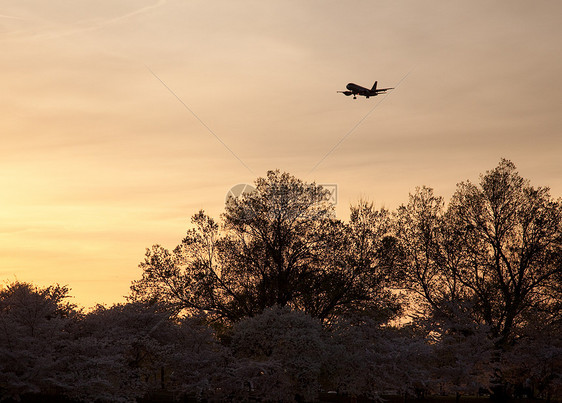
(357, 89)
(354, 89)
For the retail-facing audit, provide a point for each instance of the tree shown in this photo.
(509, 235)
(289, 348)
(128, 351)
(115, 354)
(368, 358)
(33, 328)
(370, 281)
(278, 246)
(460, 357)
(492, 258)
(494, 255)
(421, 258)
(534, 365)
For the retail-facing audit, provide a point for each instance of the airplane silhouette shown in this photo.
(354, 89)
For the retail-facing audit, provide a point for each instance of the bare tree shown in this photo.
(509, 235)
(494, 254)
(279, 246)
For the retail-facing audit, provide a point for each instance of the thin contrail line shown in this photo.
(200, 121)
(356, 126)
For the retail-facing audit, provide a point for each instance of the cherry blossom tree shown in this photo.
(283, 352)
(115, 354)
(461, 356)
(33, 329)
(130, 350)
(533, 366)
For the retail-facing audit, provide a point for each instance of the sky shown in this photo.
(120, 119)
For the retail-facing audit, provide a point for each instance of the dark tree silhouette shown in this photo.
(491, 260)
(278, 246)
(306, 301)
(494, 255)
(33, 322)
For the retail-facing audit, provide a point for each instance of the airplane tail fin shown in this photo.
(374, 87)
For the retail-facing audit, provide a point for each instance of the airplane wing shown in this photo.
(346, 93)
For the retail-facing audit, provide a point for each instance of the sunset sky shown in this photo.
(99, 160)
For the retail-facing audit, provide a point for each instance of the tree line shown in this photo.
(279, 300)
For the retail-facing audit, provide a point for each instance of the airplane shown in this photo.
(354, 89)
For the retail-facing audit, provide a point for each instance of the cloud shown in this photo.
(10, 17)
(49, 29)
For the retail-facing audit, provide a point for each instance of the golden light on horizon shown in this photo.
(99, 160)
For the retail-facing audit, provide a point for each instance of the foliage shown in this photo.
(304, 302)
(290, 342)
(279, 246)
(368, 359)
(33, 324)
(494, 255)
(534, 364)
(115, 354)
